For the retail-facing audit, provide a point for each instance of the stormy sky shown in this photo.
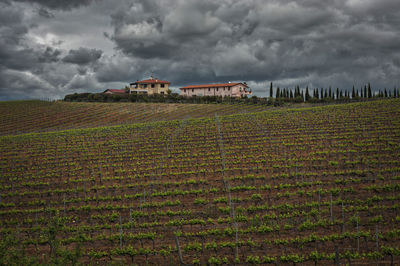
(50, 48)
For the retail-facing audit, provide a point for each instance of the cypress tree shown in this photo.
(330, 92)
(369, 91)
(386, 95)
(271, 91)
(291, 94)
(394, 93)
(353, 93)
(316, 94)
(302, 95)
(337, 94)
(307, 95)
(357, 94)
(326, 94)
(365, 91)
(277, 93)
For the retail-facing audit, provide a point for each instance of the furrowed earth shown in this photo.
(128, 183)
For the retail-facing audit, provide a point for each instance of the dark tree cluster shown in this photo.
(325, 95)
(160, 98)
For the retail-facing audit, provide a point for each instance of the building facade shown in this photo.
(224, 89)
(150, 86)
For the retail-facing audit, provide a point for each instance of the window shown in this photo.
(162, 92)
(153, 85)
(229, 89)
(145, 86)
(184, 90)
(217, 89)
(224, 89)
(192, 90)
(209, 89)
(162, 85)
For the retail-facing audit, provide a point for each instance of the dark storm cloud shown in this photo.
(284, 41)
(12, 31)
(27, 69)
(45, 13)
(317, 43)
(16, 52)
(82, 56)
(59, 4)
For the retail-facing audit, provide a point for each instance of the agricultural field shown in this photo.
(20, 117)
(311, 186)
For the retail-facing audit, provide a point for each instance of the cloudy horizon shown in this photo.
(50, 48)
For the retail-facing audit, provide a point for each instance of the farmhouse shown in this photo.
(114, 91)
(150, 86)
(224, 89)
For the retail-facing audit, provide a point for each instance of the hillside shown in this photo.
(311, 186)
(40, 116)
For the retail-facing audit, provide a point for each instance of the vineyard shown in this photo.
(311, 186)
(40, 116)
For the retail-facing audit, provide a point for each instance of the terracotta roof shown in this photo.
(213, 85)
(115, 91)
(151, 81)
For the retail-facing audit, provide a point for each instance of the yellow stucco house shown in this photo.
(150, 86)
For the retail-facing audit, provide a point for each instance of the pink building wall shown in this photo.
(237, 90)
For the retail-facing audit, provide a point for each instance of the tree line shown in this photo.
(329, 95)
(157, 98)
